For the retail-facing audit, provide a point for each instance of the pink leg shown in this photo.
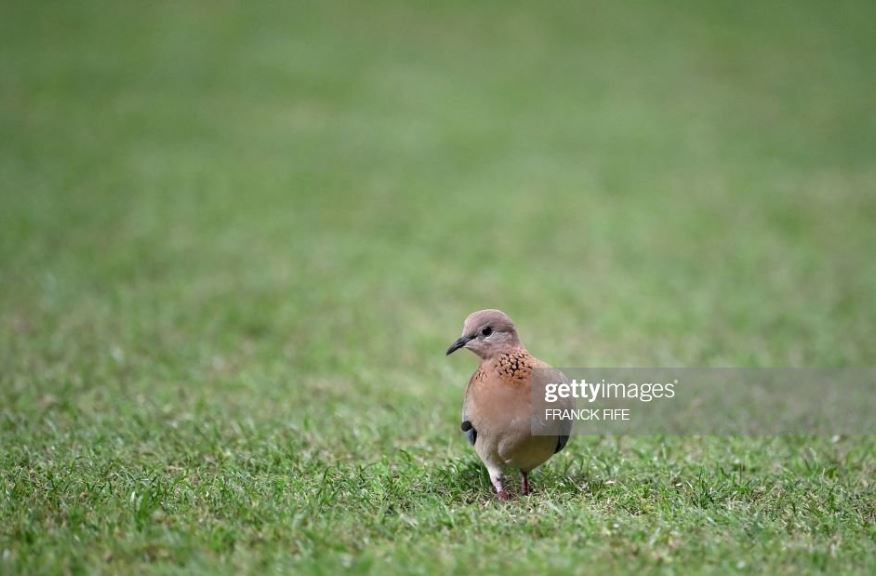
(525, 477)
(501, 493)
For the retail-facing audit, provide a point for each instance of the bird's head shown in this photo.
(486, 333)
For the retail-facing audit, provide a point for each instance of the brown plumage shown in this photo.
(497, 414)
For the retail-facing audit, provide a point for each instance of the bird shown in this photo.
(497, 412)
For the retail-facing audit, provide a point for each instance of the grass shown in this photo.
(236, 239)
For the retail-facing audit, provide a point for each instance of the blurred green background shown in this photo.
(236, 238)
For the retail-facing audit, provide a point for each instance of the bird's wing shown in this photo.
(562, 428)
(565, 425)
(467, 427)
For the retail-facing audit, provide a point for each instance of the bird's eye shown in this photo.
(487, 331)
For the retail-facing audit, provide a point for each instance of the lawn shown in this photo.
(236, 239)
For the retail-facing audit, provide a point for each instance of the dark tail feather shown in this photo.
(470, 432)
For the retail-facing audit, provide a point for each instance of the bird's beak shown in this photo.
(460, 342)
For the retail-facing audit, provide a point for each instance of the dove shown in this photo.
(497, 412)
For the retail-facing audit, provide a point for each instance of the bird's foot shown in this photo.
(503, 496)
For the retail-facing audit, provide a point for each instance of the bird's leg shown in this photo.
(525, 482)
(496, 479)
(501, 493)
